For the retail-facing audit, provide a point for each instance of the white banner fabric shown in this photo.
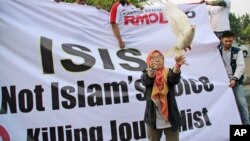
(64, 77)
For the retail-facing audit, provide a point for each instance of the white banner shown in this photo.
(64, 77)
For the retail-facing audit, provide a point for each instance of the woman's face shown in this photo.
(156, 60)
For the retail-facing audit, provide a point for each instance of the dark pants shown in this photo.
(155, 134)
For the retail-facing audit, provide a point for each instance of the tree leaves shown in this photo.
(240, 25)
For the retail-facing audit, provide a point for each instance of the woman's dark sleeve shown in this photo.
(146, 80)
(173, 78)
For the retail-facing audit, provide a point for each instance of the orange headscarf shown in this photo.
(160, 88)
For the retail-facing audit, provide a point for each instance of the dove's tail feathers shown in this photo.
(173, 52)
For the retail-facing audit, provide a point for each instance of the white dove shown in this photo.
(181, 27)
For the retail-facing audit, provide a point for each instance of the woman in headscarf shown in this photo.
(161, 113)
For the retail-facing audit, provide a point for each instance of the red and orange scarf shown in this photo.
(160, 88)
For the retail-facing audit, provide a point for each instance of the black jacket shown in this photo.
(150, 110)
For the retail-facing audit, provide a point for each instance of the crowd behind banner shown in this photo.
(64, 76)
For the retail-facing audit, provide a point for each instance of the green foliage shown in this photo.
(240, 25)
(234, 24)
(104, 4)
(107, 4)
(70, 1)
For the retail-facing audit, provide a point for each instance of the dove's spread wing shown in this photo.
(180, 26)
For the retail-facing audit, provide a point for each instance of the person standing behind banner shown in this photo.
(234, 63)
(116, 18)
(161, 112)
(219, 11)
